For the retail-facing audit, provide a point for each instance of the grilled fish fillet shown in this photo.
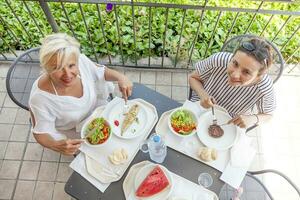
(130, 117)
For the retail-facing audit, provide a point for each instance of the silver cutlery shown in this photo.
(215, 121)
(126, 107)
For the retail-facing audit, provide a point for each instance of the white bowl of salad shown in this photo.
(182, 122)
(96, 132)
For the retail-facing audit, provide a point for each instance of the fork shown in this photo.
(215, 121)
(126, 107)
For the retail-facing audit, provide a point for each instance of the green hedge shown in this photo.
(24, 41)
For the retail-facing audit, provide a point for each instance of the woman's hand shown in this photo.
(244, 121)
(68, 146)
(207, 101)
(125, 87)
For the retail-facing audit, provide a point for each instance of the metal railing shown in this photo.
(185, 46)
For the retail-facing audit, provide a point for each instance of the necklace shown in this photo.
(53, 87)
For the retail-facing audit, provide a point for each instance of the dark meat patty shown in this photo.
(215, 131)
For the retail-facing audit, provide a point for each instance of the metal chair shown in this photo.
(252, 184)
(22, 74)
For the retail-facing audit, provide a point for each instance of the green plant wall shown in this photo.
(14, 37)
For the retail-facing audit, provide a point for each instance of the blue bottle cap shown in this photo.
(156, 138)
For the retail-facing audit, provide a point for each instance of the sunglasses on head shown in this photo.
(256, 52)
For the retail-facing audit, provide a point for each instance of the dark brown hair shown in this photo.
(259, 50)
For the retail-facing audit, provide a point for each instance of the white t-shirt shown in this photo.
(59, 115)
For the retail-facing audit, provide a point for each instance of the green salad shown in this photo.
(97, 131)
(183, 122)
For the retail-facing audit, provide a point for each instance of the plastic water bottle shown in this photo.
(156, 148)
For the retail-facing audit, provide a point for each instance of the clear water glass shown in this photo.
(205, 180)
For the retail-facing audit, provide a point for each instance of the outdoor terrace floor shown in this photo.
(29, 171)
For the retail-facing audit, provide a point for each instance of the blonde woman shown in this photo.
(237, 82)
(67, 92)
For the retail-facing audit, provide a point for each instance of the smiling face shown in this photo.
(243, 70)
(65, 75)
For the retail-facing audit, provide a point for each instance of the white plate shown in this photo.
(83, 133)
(135, 129)
(141, 175)
(230, 131)
(178, 134)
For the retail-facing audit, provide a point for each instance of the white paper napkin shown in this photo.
(185, 189)
(239, 153)
(241, 156)
(78, 165)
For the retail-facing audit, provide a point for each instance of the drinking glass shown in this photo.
(205, 180)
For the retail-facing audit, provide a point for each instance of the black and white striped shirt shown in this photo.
(235, 99)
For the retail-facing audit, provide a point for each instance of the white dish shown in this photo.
(230, 131)
(84, 127)
(144, 171)
(135, 129)
(178, 134)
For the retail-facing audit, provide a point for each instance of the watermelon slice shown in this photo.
(155, 182)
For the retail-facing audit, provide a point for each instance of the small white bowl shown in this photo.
(178, 134)
(83, 130)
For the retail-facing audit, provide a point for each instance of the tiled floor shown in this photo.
(28, 171)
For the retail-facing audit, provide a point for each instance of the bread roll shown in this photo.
(207, 154)
(118, 157)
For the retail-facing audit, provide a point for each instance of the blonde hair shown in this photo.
(59, 45)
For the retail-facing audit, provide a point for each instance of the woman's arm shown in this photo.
(67, 147)
(196, 84)
(125, 85)
(246, 121)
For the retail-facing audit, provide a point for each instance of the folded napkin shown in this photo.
(239, 153)
(191, 190)
(78, 165)
(241, 156)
